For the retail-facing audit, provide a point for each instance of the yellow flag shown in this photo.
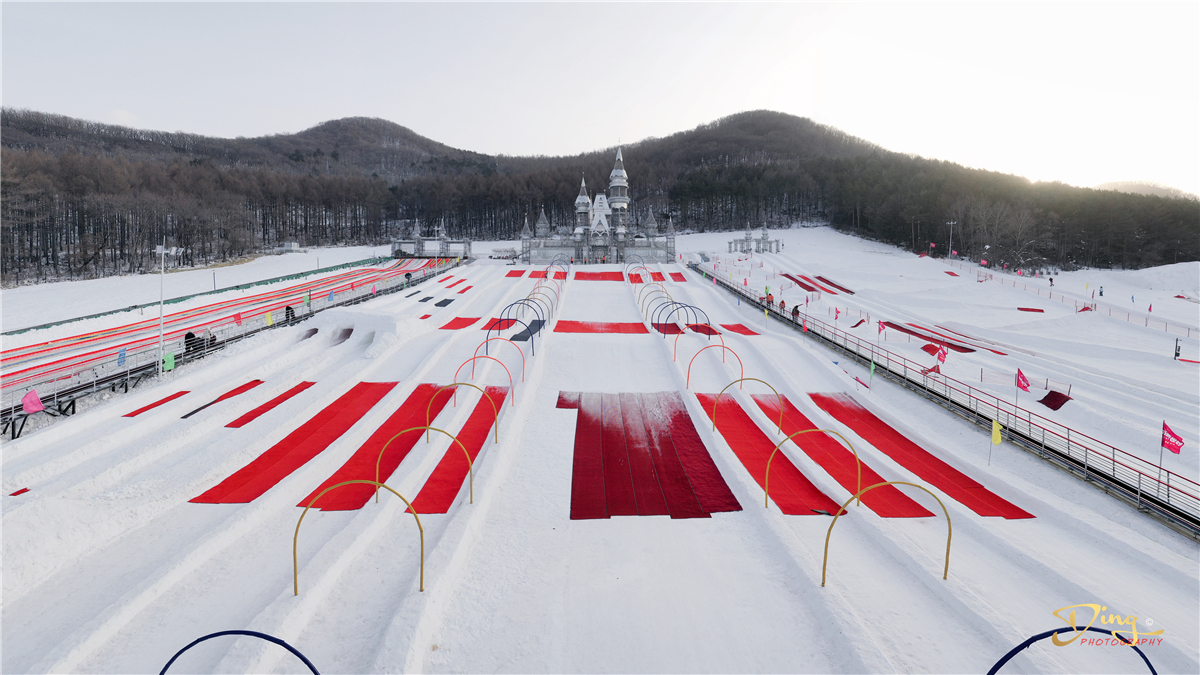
(269, 321)
(996, 432)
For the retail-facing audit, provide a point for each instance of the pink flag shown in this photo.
(1171, 440)
(1151, 308)
(805, 324)
(880, 326)
(1022, 381)
(942, 354)
(953, 252)
(836, 313)
(932, 245)
(32, 403)
(982, 262)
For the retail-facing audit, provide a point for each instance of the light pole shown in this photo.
(950, 248)
(162, 272)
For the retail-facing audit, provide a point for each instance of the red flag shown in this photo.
(942, 354)
(804, 322)
(952, 252)
(1171, 440)
(1151, 308)
(1022, 381)
(836, 313)
(932, 245)
(237, 318)
(880, 326)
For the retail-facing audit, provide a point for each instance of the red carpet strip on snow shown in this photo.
(915, 458)
(298, 447)
(838, 461)
(703, 329)
(447, 479)
(157, 403)
(515, 273)
(860, 322)
(953, 274)
(266, 407)
(1031, 309)
(599, 276)
(638, 454)
(924, 336)
(800, 283)
(460, 323)
(542, 275)
(498, 324)
(598, 327)
(446, 278)
(794, 494)
(737, 328)
(426, 316)
(964, 338)
(678, 276)
(361, 465)
(229, 394)
(667, 328)
(465, 290)
(831, 284)
(456, 283)
(635, 279)
(818, 286)
(19, 492)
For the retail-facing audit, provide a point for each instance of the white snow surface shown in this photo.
(108, 568)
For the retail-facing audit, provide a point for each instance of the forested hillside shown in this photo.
(84, 199)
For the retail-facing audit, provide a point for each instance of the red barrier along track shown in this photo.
(839, 462)
(678, 276)
(298, 447)
(817, 286)
(931, 338)
(444, 484)
(831, 284)
(361, 465)
(913, 457)
(798, 496)
(157, 403)
(563, 326)
(268, 406)
(638, 454)
(801, 284)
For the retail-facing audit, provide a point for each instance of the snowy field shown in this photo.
(138, 534)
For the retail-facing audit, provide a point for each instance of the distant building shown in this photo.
(601, 231)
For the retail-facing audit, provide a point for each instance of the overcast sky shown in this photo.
(1078, 92)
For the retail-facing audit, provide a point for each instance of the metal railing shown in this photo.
(1142, 482)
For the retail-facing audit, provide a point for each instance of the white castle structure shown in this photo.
(602, 231)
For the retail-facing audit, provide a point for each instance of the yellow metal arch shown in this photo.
(296, 537)
(767, 477)
(548, 287)
(470, 464)
(949, 530)
(718, 400)
(495, 412)
(643, 304)
(647, 287)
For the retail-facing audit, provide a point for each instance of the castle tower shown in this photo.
(542, 228)
(618, 192)
(583, 208)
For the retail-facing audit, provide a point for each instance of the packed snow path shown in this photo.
(108, 567)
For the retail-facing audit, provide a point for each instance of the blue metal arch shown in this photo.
(250, 633)
(677, 305)
(488, 334)
(1042, 636)
(707, 321)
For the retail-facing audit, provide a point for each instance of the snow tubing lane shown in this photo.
(268, 406)
(794, 494)
(361, 465)
(913, 457)
(157, 403)
(564, 326)
(678, 276)
(838, 462)
(300, 446)
(446, 481)
(251, 633)
(498, 324)
(638, 454)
